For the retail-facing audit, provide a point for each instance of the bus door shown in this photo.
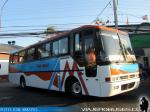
(85, 53)
(92, 79)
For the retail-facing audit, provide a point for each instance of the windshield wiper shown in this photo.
(122, 48)
(127, 52)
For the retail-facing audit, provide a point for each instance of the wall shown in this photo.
(4, 67)
(147, 54)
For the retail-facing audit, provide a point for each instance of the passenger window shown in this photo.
(11, 59)
(55, 48)
(44, 51)
(63, 46)
(21, 56)
(15, 58)
(48, 48)
(31, 54)
(77, 42)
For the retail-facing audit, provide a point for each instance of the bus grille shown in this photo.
(123, 77)
(127, 86)
(132, 76)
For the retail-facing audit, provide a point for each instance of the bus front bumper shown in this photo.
(115, 88)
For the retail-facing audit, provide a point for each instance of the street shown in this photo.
(12, 95)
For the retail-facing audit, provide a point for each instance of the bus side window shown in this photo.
(15, 58)
(78, 54)
(55, 48)
(11, 59)
(31, 54)
(21, 56)
(44, 51)
(77, 42)
(63, 45)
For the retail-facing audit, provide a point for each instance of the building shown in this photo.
(5, 50)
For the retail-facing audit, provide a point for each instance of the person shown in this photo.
(91, 68)
(143, 73)
(90, 57)
(144, 105)
(140, 70)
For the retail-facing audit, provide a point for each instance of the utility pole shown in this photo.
(1, 11)
(115, 14)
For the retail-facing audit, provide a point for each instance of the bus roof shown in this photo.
(65, 33)
(100, 27)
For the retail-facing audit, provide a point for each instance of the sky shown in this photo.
(36, 15)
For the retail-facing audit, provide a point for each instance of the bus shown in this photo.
(88, 60)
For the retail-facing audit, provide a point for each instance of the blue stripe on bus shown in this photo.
(126, 67)
(43, 65)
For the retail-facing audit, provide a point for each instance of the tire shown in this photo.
(75, 88)
(22, 83)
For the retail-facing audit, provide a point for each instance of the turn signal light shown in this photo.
(107, 79)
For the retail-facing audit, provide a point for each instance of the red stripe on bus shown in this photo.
(42, 75)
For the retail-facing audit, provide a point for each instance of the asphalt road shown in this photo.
(12, 95)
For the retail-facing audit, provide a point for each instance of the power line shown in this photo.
(47, 25)
(28, 33)
(109, 3)
(49, 18)
(3, 7)
(1, 12)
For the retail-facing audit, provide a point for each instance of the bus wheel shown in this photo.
(22, 83)
(75, 88)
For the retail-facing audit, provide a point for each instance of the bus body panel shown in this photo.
(71, 69)
(96, 86)
(111, 89)
(66, 67)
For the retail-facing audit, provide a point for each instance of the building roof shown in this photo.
(6, 48)
(135, 28)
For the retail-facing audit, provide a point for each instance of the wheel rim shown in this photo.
(76, 88)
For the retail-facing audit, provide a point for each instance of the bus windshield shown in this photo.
(117, 47)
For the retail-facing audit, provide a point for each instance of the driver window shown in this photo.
(90, 55)
(77, 42)
(78, 54)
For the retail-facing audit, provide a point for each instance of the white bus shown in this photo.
(89, 60)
